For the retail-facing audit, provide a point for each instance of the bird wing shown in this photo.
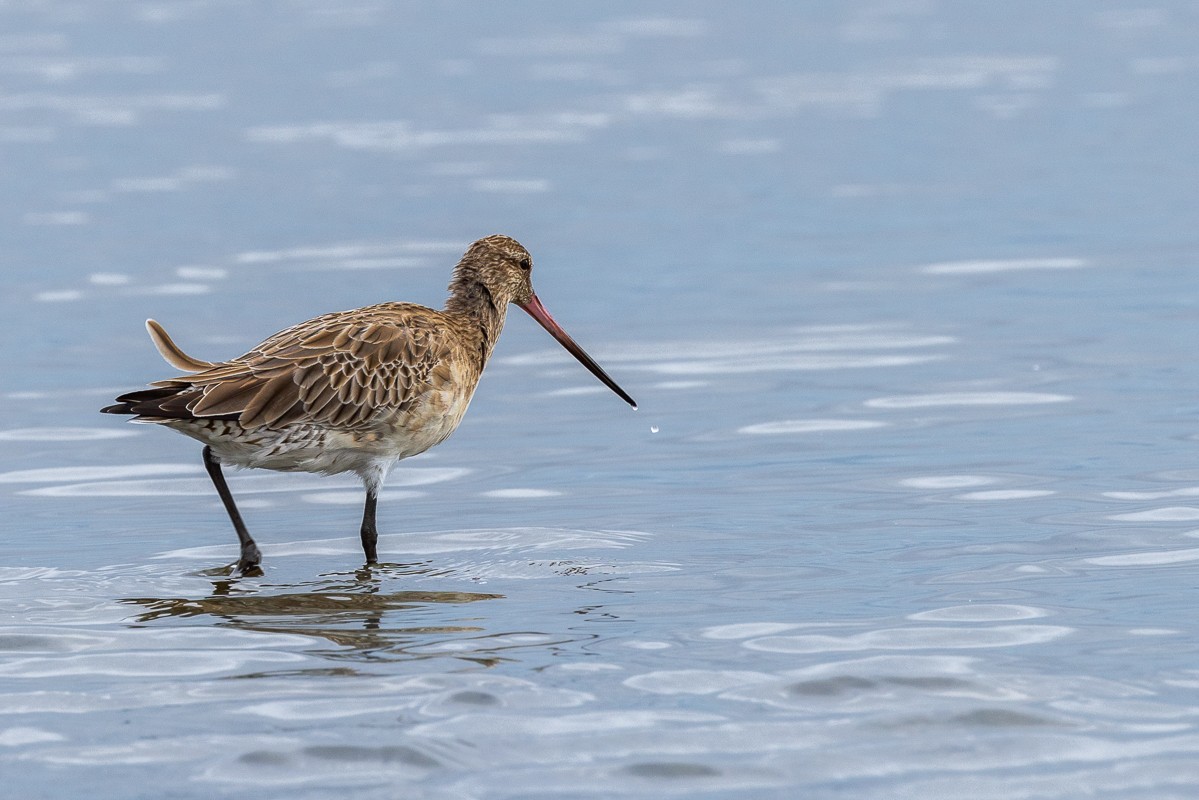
(342, 369)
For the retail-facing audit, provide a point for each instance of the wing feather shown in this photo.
(225, 397)
(273, 400)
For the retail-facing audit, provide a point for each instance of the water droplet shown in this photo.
(653, 428)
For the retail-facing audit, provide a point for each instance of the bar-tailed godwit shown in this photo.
(352, 391)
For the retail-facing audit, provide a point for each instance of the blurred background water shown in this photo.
(906, 292)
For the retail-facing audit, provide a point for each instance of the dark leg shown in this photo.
(370, 534)
(249, 551)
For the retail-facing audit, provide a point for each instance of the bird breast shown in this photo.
(431, 417)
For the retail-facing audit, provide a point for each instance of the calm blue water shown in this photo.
(905, 290)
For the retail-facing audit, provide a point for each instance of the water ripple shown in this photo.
(967, 399)
(811, 426)
(913, 639)
(62, 435)
(1010, 265)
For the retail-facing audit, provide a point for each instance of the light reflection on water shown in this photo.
(908, 508)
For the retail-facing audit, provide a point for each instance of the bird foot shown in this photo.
(247, 565)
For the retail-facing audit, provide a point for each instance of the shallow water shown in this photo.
(905, 291)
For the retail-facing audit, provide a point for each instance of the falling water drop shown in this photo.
(653, 428)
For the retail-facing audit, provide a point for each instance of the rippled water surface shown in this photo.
(905, 291)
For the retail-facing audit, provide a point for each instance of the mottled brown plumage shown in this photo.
(350, 391)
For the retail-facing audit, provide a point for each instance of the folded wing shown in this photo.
(343, 369)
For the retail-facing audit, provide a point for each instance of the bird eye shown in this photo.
(525, 265)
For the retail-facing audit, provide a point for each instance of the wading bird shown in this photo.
(352, 391)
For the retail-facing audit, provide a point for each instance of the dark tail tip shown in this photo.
(119, 408)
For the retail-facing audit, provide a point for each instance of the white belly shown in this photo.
(310, 447)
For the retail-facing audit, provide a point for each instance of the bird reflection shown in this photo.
(351, 610)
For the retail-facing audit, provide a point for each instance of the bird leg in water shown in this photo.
(370, 534)
(250, 556)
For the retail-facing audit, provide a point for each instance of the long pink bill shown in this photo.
(537, 311)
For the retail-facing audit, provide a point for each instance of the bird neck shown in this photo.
(479, 309)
